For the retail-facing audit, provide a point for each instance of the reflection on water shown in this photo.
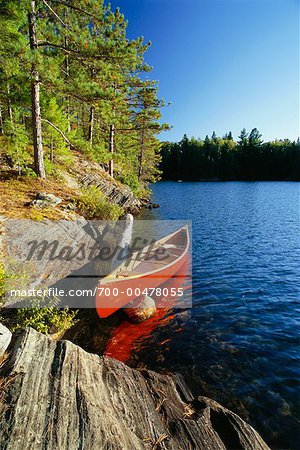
(239, 344)
(128, 338)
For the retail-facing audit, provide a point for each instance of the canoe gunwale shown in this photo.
(108, 279)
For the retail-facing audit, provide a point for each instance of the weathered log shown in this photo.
(56, 396)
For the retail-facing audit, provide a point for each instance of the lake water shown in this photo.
(239, 344)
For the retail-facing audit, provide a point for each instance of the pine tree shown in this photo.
(93, 98)
(255, 138)
(243, 138)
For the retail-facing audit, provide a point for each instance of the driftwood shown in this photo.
(54, 395)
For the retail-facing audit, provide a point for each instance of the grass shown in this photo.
(16, 192)
(94, 205)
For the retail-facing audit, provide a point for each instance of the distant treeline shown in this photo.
(216, 158)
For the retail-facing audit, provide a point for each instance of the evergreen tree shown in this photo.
(243, 138)
(225, 159)
(255, 137)
(71, 78)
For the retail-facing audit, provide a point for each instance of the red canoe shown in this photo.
(143, 271)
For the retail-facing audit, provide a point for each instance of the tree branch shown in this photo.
(53, 12)
(50, 44)
(154, 128)
(61, 133)
(80, 53)
(76, 9)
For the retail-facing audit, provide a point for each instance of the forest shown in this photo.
(223, 158)
(71, 79)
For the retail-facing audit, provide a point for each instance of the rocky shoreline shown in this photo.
(54, 395)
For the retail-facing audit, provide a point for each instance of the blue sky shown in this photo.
(223, 64)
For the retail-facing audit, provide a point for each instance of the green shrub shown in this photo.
(29, 172)
(45, 319)
(143, 192)
(16, 144)
(49, 167)
(57, 152)
(94, 205)
(131, 180)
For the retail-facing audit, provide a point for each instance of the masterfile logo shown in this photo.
(76, 262)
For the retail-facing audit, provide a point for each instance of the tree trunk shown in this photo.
(91, 116)
(52, 149)
(9, 108)
(1, 120)
(67, 65)
(141, 154)
(35, 100)
(111, 149)
(68, 97)
(91, 125)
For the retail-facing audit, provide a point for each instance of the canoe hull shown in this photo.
(129, 288)
(128, 337)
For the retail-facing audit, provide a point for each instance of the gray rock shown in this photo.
(42, 268)
(152, 205)
(56, 396)
(69, 181)
(89, 173)
(44, 200)
(141, 309)
(5, 338)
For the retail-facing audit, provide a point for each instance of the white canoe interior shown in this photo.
(153, 258)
